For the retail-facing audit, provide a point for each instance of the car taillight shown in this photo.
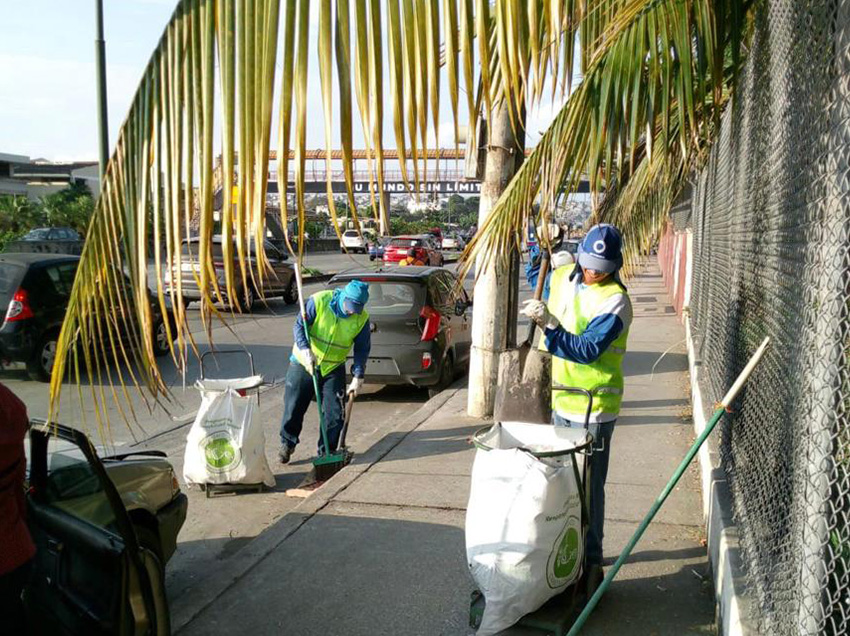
(426, 361)
(432, 323)
(19, 306)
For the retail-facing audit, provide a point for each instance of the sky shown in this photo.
(48, 105)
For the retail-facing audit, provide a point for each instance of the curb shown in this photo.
(323, 278)
(197, 600)
(722, 533)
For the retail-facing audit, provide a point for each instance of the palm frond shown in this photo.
(656, 74)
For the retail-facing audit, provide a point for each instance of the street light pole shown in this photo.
(100, 62)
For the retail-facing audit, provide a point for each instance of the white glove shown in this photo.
(539, 313)
(559, 259)
(355, 386)
(306, 359)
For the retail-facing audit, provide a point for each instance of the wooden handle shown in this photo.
(538, 290)
(541, 276)
(349, 405)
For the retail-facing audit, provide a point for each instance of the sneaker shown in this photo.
(285, 453)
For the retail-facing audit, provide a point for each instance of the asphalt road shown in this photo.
(217, 528)
(266, 333)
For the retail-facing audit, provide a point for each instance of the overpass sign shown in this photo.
(392, 187)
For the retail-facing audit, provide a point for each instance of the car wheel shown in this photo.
(161, 342)
(447, 376)
(152, 560)
(245, 299)
(342, 250)
(186, 302)
(40, 365)
(290, 296)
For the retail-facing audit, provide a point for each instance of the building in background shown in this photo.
(35, 178)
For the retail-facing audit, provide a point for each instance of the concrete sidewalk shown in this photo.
(379, 549)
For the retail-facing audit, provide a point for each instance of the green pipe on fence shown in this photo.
(724, 405)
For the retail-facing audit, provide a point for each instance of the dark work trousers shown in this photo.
(12, 615)
(299, 393)
(602, 433)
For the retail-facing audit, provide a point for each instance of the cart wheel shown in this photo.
(203, 487)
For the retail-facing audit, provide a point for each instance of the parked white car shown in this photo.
(453, 242)
(353, 242)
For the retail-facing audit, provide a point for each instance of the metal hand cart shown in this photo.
(243, 386)
(558, 614)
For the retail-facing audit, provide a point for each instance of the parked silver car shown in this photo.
(421, 326)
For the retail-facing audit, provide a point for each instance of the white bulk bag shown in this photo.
(225, 445)
(524, 538)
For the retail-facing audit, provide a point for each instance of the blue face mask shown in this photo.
(350, 308)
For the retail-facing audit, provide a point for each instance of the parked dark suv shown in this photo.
(34, 290)
(421, 329)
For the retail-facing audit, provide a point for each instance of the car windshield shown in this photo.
(406, 242)
(37, 235)
(190, 249)
(10, 277)
(391, 298)
(350, 233)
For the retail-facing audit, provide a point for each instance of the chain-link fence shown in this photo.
(770, 214)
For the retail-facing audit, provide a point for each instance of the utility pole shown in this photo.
(100, 63)
(491, 312)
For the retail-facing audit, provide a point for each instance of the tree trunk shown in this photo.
(491, 317)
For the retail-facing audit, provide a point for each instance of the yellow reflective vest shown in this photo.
(331, 337)
(575, 306)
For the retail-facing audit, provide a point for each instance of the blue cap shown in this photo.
(602, 249)
(355, 295)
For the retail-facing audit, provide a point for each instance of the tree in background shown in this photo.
(18, 215)
(71, 207)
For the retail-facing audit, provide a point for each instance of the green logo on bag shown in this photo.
(565, 556)
(565, 561)
(220, 453)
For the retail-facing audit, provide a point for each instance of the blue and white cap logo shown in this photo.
(599, 246)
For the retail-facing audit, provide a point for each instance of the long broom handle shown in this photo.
(724, 404)
(301, 304)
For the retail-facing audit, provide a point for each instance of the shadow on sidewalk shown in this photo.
(423, 443)
(641, 363)
(351, 573)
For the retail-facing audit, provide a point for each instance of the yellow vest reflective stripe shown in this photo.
(575, 308)
(331, 337)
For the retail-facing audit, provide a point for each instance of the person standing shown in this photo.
(585, 328)
(337, 320)
(17, 549)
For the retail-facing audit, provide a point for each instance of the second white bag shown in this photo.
(524, 539)
(224, 445)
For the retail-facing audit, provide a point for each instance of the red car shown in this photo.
(398, 246)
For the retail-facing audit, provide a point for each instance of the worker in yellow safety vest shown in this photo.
(337, 321)
(585, 327)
